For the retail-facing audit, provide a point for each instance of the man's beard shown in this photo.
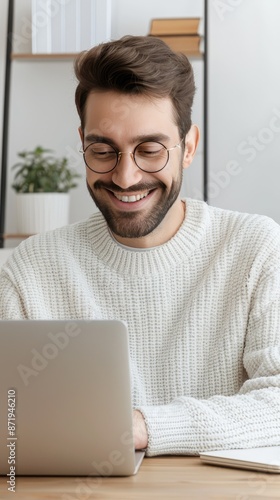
(135, 224)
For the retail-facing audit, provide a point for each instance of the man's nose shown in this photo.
(126, 173)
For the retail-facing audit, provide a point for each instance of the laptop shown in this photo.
(265, 459)
(65, 399)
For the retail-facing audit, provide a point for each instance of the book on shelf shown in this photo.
(176, 26)
(181, 34)
(189, 45)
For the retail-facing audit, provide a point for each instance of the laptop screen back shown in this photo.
(65, 398)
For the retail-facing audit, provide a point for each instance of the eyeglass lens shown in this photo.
(148, 156)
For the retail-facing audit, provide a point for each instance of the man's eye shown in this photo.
(150, 152)
(101, 152)
(149, 149)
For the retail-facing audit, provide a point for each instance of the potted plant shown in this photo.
(42, 183)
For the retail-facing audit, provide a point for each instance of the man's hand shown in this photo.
(140, 434)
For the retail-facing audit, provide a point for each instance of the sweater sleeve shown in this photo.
(11, 306)
(250, 418)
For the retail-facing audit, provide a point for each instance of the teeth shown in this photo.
(131, 199)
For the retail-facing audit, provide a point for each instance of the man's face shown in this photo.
(141, 208)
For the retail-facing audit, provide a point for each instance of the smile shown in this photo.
(132, 198)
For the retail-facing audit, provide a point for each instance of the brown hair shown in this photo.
(137, 65)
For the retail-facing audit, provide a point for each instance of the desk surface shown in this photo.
(159, 477)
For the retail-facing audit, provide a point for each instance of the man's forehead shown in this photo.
(120, 102)
(109, 112)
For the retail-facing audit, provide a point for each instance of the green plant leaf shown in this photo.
(40, 171)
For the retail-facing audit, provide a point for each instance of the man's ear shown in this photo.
(191, 143)
(81, 134)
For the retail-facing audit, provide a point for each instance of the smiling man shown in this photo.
(135, 165)
(199, 287)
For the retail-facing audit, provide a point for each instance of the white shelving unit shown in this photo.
(24, 63)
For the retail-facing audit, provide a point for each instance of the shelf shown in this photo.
(44, 57)
(16, 236)
(71, 56)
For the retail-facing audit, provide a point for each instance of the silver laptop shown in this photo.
(265, 459)
(65, 399)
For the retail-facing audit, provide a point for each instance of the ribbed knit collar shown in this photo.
(126, 261)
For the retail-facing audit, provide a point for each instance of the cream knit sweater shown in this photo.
(203, 312)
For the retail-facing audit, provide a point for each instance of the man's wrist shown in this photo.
(140, 433)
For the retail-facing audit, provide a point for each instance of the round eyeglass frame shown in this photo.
(132, 153)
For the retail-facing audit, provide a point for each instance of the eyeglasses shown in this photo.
(149, 156)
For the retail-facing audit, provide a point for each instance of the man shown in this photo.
(199, 287)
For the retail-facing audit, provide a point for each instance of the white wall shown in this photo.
(244, 114)
(42, 95)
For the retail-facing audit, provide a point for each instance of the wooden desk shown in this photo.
(161, 477)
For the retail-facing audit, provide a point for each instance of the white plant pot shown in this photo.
(40, 212)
